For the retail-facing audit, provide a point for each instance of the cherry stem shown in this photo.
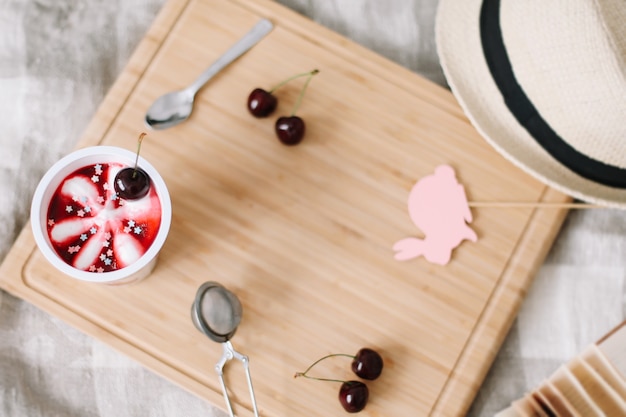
(304, 374)
(306, 84)
(143, 134)
(293, 77)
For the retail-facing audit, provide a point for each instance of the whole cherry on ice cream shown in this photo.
(132, 183)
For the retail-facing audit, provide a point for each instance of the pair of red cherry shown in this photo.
(366, 364)
(261, 103)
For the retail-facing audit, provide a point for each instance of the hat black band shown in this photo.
(525, 112)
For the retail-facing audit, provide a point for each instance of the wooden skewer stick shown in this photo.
(515, 204)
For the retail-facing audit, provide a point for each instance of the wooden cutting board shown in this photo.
(303, 235)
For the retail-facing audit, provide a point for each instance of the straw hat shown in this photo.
(561, 64)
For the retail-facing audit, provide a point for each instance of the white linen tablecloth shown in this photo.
(58, 58)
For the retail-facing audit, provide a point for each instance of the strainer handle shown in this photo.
(230, 353)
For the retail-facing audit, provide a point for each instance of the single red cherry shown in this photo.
(261, 103)
(353, 396)
(290, 129)
(367, 364)
(132, 183)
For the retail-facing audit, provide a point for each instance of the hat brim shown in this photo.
(457, 34)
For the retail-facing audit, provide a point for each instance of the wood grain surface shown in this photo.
(303, 235)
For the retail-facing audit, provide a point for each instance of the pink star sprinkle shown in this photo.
(80, 213)
(107, 236)
(73, 249)
(92, 268)
(51, 222)
(110, 253)
(100, 199)
(127, 229)
(100, 270)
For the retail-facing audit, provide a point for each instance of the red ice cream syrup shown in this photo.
(86, 230)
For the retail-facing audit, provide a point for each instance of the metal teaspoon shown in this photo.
(175, 107)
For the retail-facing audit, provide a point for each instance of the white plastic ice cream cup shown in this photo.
(144, 264)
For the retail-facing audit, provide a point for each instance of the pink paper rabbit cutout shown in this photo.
(438, 207)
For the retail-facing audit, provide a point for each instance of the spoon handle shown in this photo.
(258, 32)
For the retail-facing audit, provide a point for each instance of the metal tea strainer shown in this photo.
(216, 312)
